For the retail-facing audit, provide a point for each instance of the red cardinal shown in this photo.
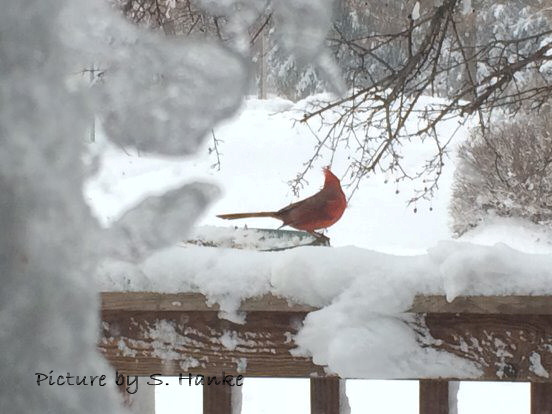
(319, 211)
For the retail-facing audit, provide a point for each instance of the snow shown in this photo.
(163, 97)
(382, 395)
(416, 11)
(275, 145)
(132, 234)
(467, 7)
(126, 351)
(493, 397)
(519, 234)
(362, 292)
(47, 231)
(252, 239)
(165, 340)
(241, 364)
(469, 269)
(229, 340)
(536, 365)
(158, 95)
(149, 78)
(272, 395)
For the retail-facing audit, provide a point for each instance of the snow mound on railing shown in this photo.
(362, 327)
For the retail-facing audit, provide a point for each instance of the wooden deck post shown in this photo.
(434, 397)
(221, 399)
(541, 398)
(327, 395)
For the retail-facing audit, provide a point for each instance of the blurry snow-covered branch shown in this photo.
(160, 95)
(148, 226)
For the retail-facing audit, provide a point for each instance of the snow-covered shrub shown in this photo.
(507, 172)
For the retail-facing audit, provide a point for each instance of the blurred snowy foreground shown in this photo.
(162, 96)
(360, 330)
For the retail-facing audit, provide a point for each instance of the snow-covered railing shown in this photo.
(508, 337)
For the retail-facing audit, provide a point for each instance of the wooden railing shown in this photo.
(171, 334)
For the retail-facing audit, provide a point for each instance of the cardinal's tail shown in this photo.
(234, 216)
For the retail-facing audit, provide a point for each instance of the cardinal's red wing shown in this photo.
(298, 204)
(309, 214)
